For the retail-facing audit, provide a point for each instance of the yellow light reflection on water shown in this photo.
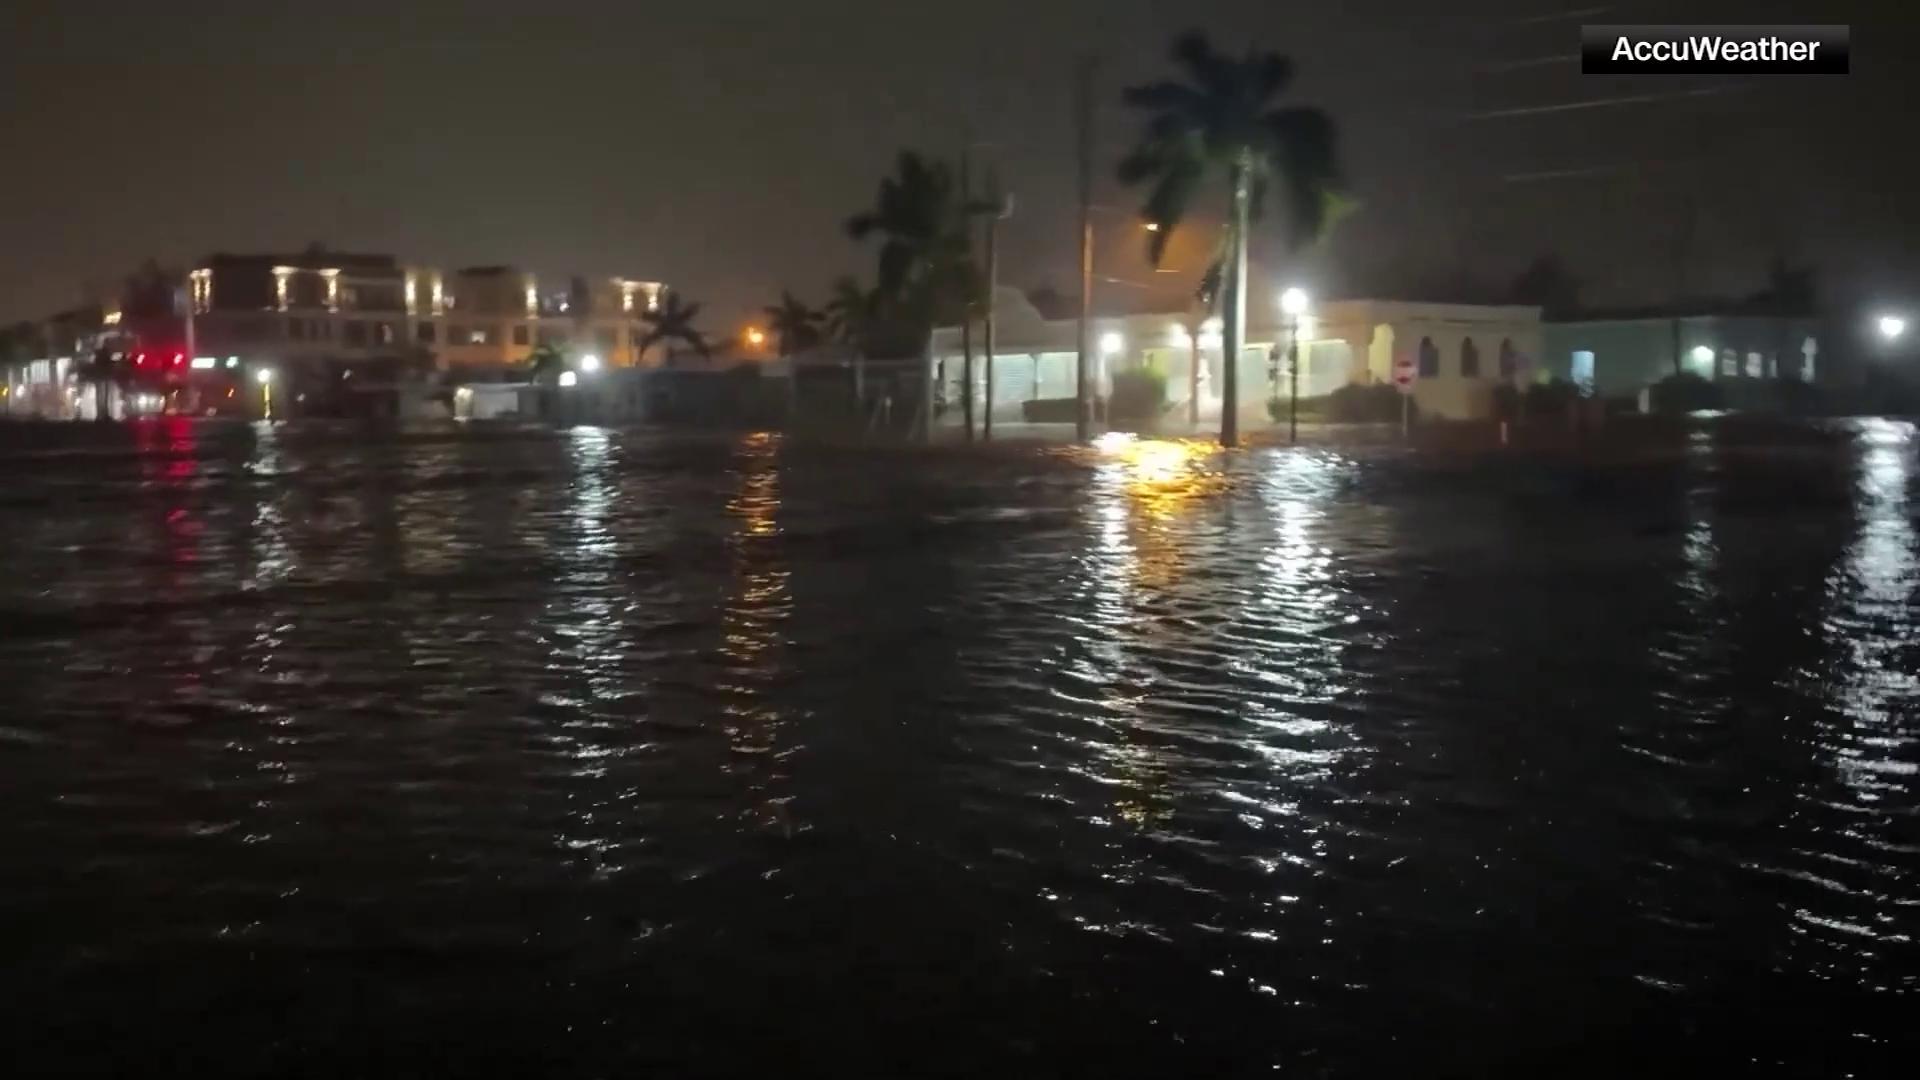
(1142, 490)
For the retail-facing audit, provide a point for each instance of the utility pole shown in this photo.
(1083, 119)
(966, 307)
(1689, 215)
(1002, 209)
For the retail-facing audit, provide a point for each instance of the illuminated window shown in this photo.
(383, 333)
(1580, 370)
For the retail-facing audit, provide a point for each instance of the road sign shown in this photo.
(1403, 371)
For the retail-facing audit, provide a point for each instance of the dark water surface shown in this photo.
(605, 753)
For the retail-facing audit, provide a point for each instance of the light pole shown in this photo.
(1293, 303)
(264, 376)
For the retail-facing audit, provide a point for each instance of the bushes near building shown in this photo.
(1138, 394)
(1685, 392)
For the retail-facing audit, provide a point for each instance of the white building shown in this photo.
(1461, 353)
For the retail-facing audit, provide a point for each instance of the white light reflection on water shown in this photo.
(1848, 908)
(1699, 551)
(270, 555)
(1299, 626)
(586, 626)
(594, 621)
(1870, 618)
(753, 622)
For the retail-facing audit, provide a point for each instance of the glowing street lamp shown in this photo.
(264, 376)
(589, 363)
(1111, 343)
(756, 337)
(1892, 327)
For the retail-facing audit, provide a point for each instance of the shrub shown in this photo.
(1312, 409)
(1138, 394)
(1378, 403)
(1686, 392)
(1507, 402)
(1054, 410)
(1556, 398)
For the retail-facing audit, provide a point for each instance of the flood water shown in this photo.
(596, 753)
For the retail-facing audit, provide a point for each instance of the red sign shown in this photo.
(1403, 371)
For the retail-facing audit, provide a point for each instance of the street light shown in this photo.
(1892, 327)
(568, 378)
(1293, 303)
(756, 337)
(589, 363)
(264, 376)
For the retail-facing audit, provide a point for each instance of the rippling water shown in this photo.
(589, 751)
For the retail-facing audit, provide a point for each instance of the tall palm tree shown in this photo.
(1222, 119)
(669, 321)
(850, 311)
(922, 221)
(794, 323)
(926, 275)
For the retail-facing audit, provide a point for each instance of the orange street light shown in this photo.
(756, 336)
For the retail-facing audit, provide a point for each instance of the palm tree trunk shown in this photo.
(1236, 320)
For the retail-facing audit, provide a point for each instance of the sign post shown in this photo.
(1404, 374)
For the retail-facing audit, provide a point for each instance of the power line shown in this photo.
(1517, 65)
(1602, 103)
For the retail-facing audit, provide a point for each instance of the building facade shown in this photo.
(316, 332)
(1460, 352)
(1618, 355)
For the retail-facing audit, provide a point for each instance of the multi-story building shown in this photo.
(367, 311)
(495, 316)
(326, 331)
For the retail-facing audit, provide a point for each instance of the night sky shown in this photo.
(719, 145)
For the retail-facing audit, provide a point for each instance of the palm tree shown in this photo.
(545, 363)
(850, 311)
(672, 320)
(796, 324)
(1222, 119)
(927, 275)
(922, 221)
